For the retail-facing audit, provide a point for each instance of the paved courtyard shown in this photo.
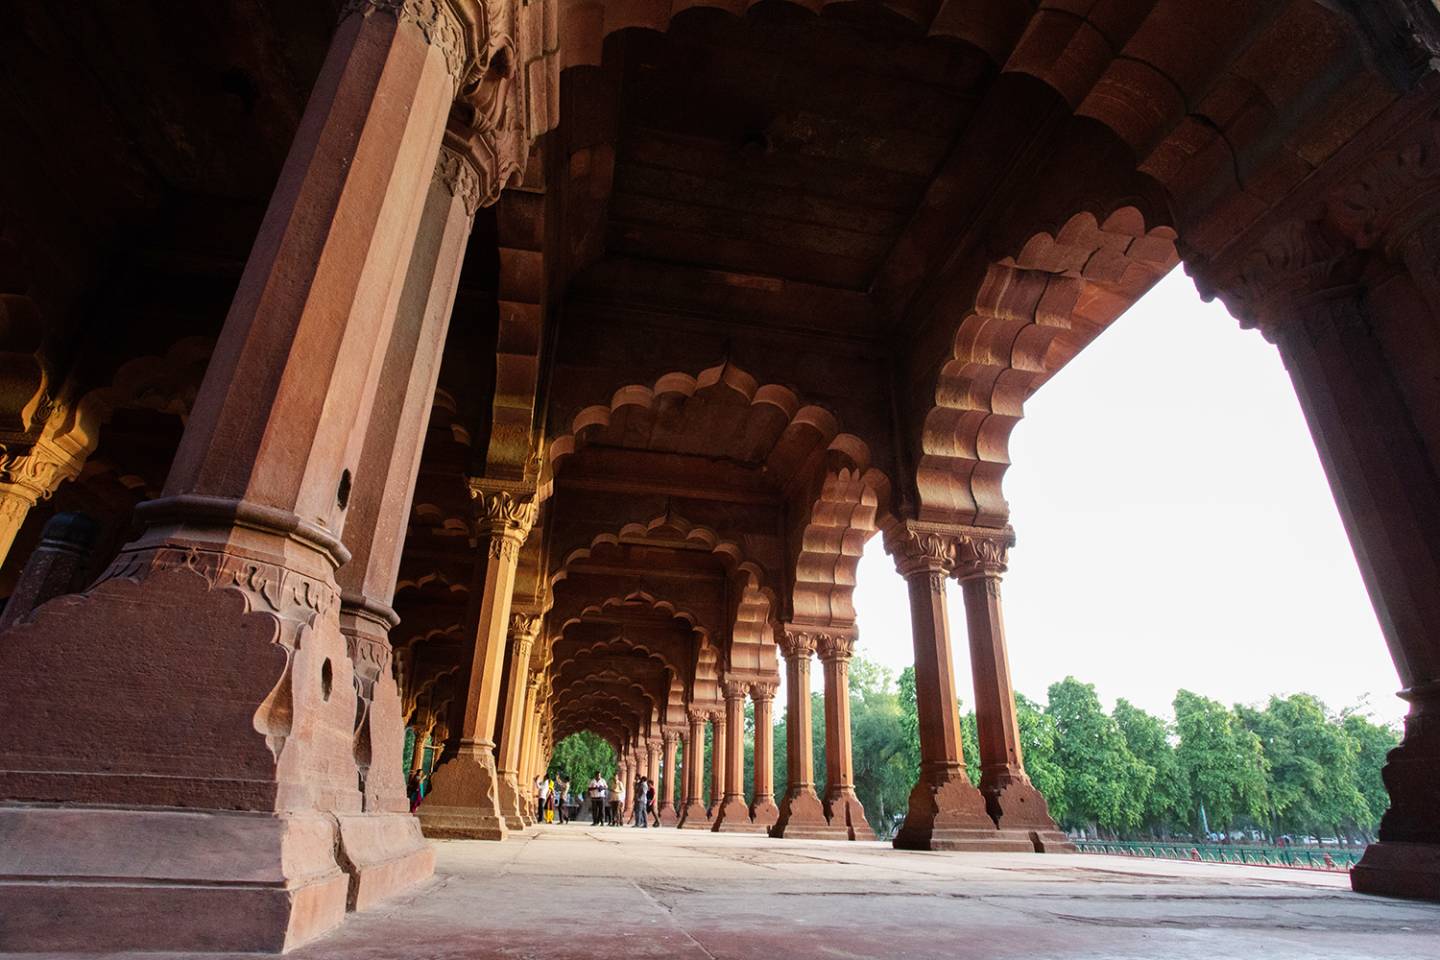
(625, 894)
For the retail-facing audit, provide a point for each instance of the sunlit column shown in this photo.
(763, 811)
(692, 814)
(731, 811)
(1012, 800)
(841, 803)
(946, 812)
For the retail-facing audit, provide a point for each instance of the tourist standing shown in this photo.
(564, 790)
(641, 792)
(617, 804)
(650, 802)
(596, 791)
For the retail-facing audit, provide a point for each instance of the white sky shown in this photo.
(1175, 529)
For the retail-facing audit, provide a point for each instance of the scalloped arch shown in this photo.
(1033, 313)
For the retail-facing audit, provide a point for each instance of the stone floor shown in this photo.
(627, 894)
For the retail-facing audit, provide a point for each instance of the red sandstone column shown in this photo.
(802, 816)
(1358, 339)
(656, 746)
(464, 802)
(529, 736)
(692, 813)
(1011, 799)
(946, 811)
(235, 569)
(718, 741)
(731, 812)
(380, 499)
(763, 810)
(666, 802)
(841, 804)
(513, 794)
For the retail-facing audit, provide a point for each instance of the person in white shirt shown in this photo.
(597, 791)
(617, 804)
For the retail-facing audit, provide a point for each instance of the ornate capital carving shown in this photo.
(534, 680)
(983, 554)
(835, 646)
(717, 717)
(524, 627)
(736, 689)
(919, 551)
(796, 643)
(1298, 263)
(438, 20)
(504, 515)
(31, 471)
(763, 690)
(456, 171)
(697, 715)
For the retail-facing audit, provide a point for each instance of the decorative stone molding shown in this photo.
(697, 715)
(983, 554)
(796, 643)
(835, 646)
(456, 171)
(763, 690)
(438, 20)
(736, 689)
(921, 551)
(504, 515)
(525, 627)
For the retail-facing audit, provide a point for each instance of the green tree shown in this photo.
(1168, 801)
(1038, 736)
(1223, 763)
(1371, 743)
(1104, 784)
(579, 755)
(882, 777)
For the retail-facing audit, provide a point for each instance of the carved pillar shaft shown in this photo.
(802, 816)
(666, 801)
(692, 814)
(763, 811)
(1010, 797)
(946, 812)
(843, 807)
(718, 741)
(240, 554)
(465, 802)
(513, 793)
(731, 811)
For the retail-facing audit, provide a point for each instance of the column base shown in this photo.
(114, 879)
(511, 806)
(763, 812)
(464, 803)
(1019, 809)
(384, 854)
(846, 811)
(948, 813)
(1393, 868)
(733, 816)
(693, 817)
(668, 816)
(802, 817)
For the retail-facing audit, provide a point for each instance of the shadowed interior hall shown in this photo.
(472, 373)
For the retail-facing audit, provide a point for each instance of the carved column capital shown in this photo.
(30, 471)
(671, 736)
(534, 680)
(796, 642)
(717, 717)
(1296, 265)
(524, 628)
(983, 554)
(736, 689)
(456, 170)
(441, 22)
(762, 691)
(835, 646)
(503, 515)
(697, 715)
(921, 550)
